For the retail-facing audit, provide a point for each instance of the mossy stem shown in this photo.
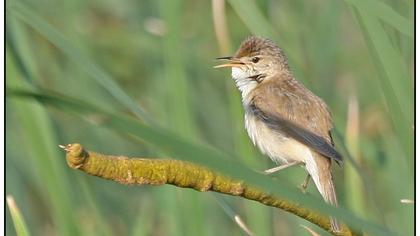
(182, 174)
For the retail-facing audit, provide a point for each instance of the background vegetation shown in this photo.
(153, 60)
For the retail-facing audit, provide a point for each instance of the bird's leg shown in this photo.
(281, 167)
(305, 183)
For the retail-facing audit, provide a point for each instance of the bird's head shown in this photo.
(255, 61)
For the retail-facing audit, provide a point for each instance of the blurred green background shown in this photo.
(153, 60)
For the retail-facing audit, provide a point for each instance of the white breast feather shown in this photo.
(244, 84)
(276, 145)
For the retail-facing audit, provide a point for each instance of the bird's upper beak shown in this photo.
(230, 62)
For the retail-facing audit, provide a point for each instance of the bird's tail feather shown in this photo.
(325, 185)
(330, 197)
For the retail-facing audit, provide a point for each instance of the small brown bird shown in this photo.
(284, 119)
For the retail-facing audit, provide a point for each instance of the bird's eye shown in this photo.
(255, 59)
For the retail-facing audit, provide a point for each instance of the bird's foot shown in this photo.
(281, 167)
(303, 186)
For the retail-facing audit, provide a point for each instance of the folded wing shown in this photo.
(298, 114)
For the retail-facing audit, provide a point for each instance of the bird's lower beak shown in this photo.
(230, 62)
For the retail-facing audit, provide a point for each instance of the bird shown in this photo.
(284, 119)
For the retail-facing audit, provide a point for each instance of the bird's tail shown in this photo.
(322, 177)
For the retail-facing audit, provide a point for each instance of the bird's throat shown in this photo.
(244, 83)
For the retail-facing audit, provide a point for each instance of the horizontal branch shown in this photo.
(181, 174)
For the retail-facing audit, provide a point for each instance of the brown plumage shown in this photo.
(298, 112)
(284, 119)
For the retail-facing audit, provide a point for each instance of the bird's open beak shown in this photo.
(230, 62)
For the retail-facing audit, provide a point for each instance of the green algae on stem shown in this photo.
(182, 174)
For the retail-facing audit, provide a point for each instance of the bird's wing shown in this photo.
(298, 113)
